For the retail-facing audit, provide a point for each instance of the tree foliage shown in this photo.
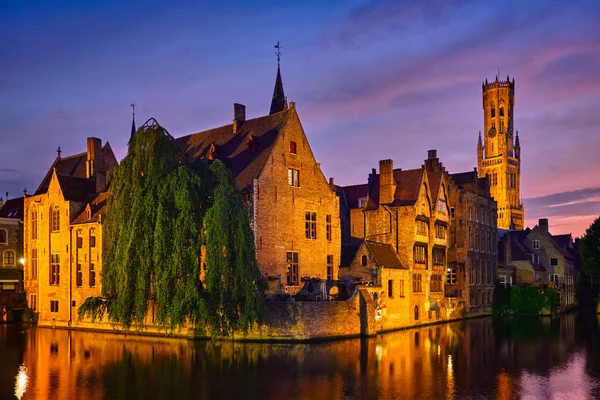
(156, 211)
(590, 251)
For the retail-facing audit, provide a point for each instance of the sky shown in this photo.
(371, 80)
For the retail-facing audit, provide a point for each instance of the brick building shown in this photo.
(63, 235)
(293, 209)
(402, 213)
(499, 154)
(11, 245)
(472, 255)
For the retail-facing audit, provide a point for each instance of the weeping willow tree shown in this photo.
(160, 211)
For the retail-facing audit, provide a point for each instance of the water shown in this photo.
(526, 358)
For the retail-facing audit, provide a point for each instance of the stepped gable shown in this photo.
(244, 151)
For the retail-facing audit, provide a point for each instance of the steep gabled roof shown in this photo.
(12, 208)
(245, 160)
(76, 189)
(383, 254)
(352, 193)
(348, 254)
(69, 166)
(408, 186)
(97, 207)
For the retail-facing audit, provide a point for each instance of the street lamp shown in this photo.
(22, 261)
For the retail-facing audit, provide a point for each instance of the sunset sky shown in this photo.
(371, 80)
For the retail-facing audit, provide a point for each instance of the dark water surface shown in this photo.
(526, 358)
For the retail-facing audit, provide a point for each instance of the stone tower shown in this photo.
(499, 154)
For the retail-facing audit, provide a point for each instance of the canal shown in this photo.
(485, 358)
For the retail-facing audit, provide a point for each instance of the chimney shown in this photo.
(331, 183)
(387, 185)
(431, 154)
(543, 224)
(94, 163)
(432, 161)
(239, 116)
(292, 104)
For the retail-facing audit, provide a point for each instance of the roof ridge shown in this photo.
(226, 125)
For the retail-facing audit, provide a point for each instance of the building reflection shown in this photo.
(480, 357)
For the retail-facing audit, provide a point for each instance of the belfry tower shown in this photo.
(499, 154)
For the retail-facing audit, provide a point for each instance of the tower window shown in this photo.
(502, 111)
(492, 112)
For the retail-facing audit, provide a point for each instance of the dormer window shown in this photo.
(293, 148)
(362, 202)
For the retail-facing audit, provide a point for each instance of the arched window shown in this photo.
(364, 261)
(416, 313)
(3, 236)
(34, 223)
(79, 239)
(55, 219)
(492, 111)
(9, 258)
(502, 111)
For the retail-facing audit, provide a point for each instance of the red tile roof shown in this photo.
(383, 254)
(408, 186)
(245, 160)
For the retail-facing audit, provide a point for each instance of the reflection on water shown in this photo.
(481, 358)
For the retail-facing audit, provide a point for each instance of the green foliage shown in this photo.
(590, 251)
(153, 233)
(527, 300)
(233, 281)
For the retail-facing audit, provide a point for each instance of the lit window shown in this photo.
(310, 225)
(435, 285)
(451, 277)
(439, 256)
(292, 271)
(34, 224)
(417, 283)
(294, 177)
(293, 147)
(9, 258)
(420, 254)
(442, 206)
(440, 231)
(422, 228)
(55, 219)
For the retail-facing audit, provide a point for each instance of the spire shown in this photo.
(517, 144)
(279, 101)
(133, 121)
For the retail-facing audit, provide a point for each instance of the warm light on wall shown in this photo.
(22, 261)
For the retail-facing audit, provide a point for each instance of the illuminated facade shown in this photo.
(499, 154)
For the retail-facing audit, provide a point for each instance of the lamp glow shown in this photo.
(21, 382)
(22, 261)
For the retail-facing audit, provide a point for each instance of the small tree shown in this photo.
(590, 251)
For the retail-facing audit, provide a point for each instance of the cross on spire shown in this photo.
(58, 151)
(133, 121)
(278, 53)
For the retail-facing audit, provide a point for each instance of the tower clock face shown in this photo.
(492, 132)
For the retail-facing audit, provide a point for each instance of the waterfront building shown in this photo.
(11, 245)
(63, 234)
(399, 221)
(472, 254)
(293, 209)
(499, 154)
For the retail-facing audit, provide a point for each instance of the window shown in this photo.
(293, 147)
(79, 276)
(440, 231)
(417, 283)
(553, 262)
(362, 202)
(330, 268)
(451, 277)
(34, 225)
(435, 285)
(492, 112)
(92, 275)
(79, 240)
(502, 111)
(554, 278)
(390, 288)
(452, 213)
(292, 271)
(53, 305)
(420, 254)
(363, 261)
(3, 236)
(55, 219)
(310, 225)
(33, 302)
(439, 256)
(422, 228)
(55, 269)
(328, 226)
(442, 206)
(401, 291)
(9, 258)
(536, 244)
(92, 238)
(416, 319)
(34, 264)
(294, 177)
